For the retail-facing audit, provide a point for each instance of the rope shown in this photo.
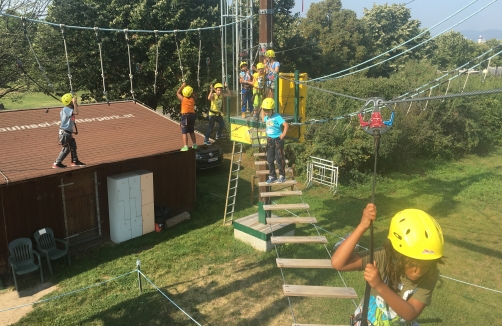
(66, 294)
(132, 30)
(179, 56)
(129, 56)
(156, 62)
(23, 19)
(438, 97)
(174, 303)
(66, 53)
(398, 46)
(408, 50)
(102, 68)
(198, 64)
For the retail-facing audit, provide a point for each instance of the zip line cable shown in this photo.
(408, 50)
(131, 30)
(398, 46)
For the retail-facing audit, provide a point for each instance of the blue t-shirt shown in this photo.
(271, 70)
(273, 125)
(67, 119)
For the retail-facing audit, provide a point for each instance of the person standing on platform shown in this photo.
(246, 80)
(275, 141)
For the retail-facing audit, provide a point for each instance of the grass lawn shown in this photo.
(220, 281)
(30, 100)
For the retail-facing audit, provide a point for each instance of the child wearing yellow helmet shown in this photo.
(275, 140)
(216, 96)
(66, 130)
(272, 66)
(187, 122)
(246, 80)
(403, 273)
(258, 89)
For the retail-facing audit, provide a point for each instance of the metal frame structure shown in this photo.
(236, 40)
(322, 171)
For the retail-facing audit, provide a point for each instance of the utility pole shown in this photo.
(266, 25)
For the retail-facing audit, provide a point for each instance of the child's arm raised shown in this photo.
(178, 93)
(344, 258)
(210, 96)
(226, 91)
(408, 310)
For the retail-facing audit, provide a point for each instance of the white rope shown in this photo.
(102, 68)
(66, 53)
(179, 56)
(129, 56)
(156, 62)
(198, 64)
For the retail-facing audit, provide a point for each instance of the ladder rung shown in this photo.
(296, 220)
(232, 188)
(304, 263)
(230, 212)
(265, 172)
(234, 179)
(297, 239)
(319, 291)
(231, 196)
(281, 193)
(285, 183)
(285, 206)
(235, 170)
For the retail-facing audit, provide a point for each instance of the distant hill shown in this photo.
(488, 34)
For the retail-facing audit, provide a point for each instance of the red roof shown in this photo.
(106, 133)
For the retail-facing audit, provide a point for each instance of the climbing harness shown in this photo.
(129, 55)
(156, 61)
(67, 61)
(375, 127)
(98, 40)
(179, 55)
(198, 63)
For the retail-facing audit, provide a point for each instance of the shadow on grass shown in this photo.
(473, 247)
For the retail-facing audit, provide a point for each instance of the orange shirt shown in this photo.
(187, 105)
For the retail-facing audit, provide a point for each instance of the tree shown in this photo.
(452, 51)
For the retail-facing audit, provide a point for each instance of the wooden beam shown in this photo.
(260, 172)
(304, 263)
(285, 183)
(297, 239)
(281, 193)
(319, 291)
(260, 154)
(291, 220)
(170, 222)
(265, 162)
(285, 206)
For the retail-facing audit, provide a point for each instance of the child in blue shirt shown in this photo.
(275, 140)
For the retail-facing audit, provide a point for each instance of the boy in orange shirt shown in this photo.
(187, 123)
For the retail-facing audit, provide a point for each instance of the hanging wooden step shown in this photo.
(316, 325)
(285, 183)
(291, 220)
(285, 206)
(318, 291)
(260, 154)
(297, 239)
(281, 193)
(304, 263)
(265, 172)
(265, 162)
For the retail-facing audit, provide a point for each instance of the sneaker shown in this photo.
(207, 142)
(184, 149)
(77, 163)
(281, 179)
(58, 165)
(271, 180)
(194, 146)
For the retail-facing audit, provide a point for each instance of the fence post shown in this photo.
(138, 267)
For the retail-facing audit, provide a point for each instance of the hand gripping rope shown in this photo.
(66, 53)
(98, 40)
(376, 127)
(129, 54)
(156, 61)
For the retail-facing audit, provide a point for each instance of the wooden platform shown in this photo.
(296, 220)
(318, 291)
(258, 235)
(299, 239)
(304, 263)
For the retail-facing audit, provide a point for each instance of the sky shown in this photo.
(431, 12)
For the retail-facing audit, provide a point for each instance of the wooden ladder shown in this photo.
(233, 182)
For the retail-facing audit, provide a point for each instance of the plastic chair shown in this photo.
(46, 245)
(21, 258)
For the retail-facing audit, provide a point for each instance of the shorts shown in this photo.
(187, 123)
(258, 98)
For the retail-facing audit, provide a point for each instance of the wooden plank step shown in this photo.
(297, 239)
(285, 206)
(303, 263)
(290, 220)
(285, 183)
(316, 325)
(265, 172)
(265, 162)
(260, 154)
(281, 193)
(318, 291)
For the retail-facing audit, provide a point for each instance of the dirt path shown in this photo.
(13, 298)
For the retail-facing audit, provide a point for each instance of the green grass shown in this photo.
(30, 100)
(221, 281)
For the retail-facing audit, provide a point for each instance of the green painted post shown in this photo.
(262, 216)
(276, 92)
(228, 112)
(297, 94)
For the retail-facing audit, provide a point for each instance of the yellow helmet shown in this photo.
(218, 85)
(415, 234)
(243, 63)
(268, 104)
(67, 99)
(187, 91)
(260, 65)
(270, 53)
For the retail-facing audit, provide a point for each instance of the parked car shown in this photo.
(208, 156)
